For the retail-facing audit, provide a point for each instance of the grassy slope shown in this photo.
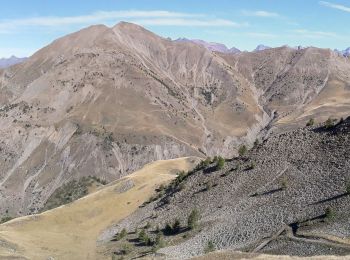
(70, 231)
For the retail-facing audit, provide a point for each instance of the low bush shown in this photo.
(311, 122)
(193, 219)
(330, 214)
(120, 235)
(126, 249)
(329, 123)
(172, 229)
(220, 163)
(210, 247)
(242, 150)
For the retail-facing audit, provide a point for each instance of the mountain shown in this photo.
(212, 46)
(105, 101)
(261, 47)
(234, 50)
(346, 52)
(4, 63)
(289, 195)
(85, 112)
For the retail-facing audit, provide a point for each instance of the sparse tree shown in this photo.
(193, 219)
(176, 226)
(220, 163)
(126, 249)
(144, 238)
(206, 162)
(330, 214)
(121, 235)
(329, 123)
(242, 150)
(172, 229)
(159, 242)
(311, 122)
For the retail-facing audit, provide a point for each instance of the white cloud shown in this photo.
(261, 35)
(188, 22)
(260, 13)
(314, 34)
(156, 17)
(335, 6)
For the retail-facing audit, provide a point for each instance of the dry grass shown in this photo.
(70, 232)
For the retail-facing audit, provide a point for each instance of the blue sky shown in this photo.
(26, 26)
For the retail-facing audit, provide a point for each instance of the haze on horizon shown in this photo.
(26, 27)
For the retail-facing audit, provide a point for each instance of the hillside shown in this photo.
(288, 195)
(70, 231)
(105, 101)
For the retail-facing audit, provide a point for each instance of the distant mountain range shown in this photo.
(220, 47)
(212, 46)
(345, 53)
(7, 62)
(261, 47)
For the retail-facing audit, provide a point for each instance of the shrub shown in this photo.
(144, 238)
(209, 185)
(329, 123)
(256, 142)
(205, 163)
(159, 242)
(210, 247)
(126, 249)
(348, 187)
(168, 230)
(220, 163)
(148, 225)
(120, 235)
(330, 214)
(176, 226)
(5, 219)
(251, 166)
(193, 219)
(311, 122)
(172, 229)
(284, 184)
(242, 150)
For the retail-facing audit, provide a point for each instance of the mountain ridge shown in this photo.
(105, 101)
(13, 60)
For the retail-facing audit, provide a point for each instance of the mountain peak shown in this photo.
(212, 46)
(261, 47)
(13, 60)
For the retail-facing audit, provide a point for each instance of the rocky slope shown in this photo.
(105, 101)
(289, 195)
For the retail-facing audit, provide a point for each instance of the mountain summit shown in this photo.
(105, 101)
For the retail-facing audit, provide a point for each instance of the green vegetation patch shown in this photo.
(71, 191)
